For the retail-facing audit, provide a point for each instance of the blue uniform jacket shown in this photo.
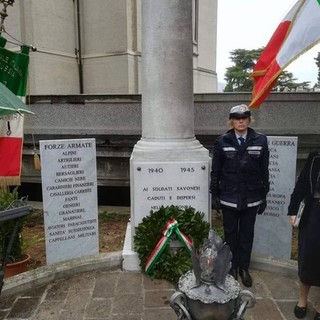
(240, 175)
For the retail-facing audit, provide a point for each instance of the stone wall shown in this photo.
(115, 122)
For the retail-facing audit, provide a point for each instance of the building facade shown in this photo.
(94, 47)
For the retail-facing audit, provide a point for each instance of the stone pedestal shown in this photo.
(168, 165)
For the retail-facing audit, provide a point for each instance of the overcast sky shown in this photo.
(249, 24)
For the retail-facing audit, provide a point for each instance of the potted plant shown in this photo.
(17, 258)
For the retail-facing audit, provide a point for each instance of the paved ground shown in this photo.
(113, 294)
(95, 288)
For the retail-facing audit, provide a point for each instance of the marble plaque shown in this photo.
(157, 184)
(273, 232)
(69, 190)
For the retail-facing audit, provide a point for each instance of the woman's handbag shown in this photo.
(299, 214)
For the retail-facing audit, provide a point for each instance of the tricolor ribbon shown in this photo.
(171, 226)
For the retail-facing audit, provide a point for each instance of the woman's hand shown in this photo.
(292, 219)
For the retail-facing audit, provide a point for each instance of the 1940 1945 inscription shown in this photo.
(182, 170)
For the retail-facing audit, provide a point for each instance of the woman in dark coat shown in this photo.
(308, 189)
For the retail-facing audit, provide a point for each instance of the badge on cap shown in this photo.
(243, 108)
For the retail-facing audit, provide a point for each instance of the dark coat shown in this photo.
(309, 226)
(240, 175)
(305, 186)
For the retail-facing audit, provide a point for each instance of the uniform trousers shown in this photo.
(239, 233)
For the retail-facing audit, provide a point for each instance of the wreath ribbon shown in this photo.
(170, 228)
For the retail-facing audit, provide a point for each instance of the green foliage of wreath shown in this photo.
(172, 262)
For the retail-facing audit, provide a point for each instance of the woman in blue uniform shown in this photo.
(239, 185)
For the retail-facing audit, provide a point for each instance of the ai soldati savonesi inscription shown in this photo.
(182, 184)
(69, 188)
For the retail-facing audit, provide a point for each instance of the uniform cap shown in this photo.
(239, 111)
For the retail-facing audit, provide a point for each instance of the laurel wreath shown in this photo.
(173, 262)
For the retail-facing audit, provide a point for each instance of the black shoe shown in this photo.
(300, 312)
(317, 316)
(233, 272)
(245, 277)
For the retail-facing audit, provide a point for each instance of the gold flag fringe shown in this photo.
(36, 161)
(9, 181)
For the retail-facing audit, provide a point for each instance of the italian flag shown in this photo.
(298, 32)
(11, 144)
(14, 71)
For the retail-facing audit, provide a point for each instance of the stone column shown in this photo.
(168, 165)
(167, 83)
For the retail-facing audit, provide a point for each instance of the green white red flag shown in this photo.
(11, 145)
(171, 226)
(298, 32)
(13, 74)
